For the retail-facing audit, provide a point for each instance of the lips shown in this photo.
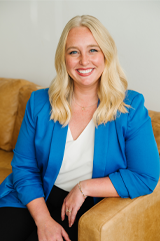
(85, 72)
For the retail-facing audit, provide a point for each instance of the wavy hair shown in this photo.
(112, 85)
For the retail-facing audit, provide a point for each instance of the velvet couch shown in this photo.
(112, 219)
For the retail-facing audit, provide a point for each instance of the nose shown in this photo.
(84, 59)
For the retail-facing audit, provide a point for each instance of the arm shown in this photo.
(27, 178)
(98, 187)
(142, 172)
(47, 227)
(26, 174)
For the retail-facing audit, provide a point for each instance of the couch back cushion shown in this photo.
(13, 99)
(24, 95)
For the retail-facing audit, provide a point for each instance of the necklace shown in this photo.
(84, 107)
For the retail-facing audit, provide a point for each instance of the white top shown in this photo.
(77, 162)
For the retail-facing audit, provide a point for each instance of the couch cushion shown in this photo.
(155, 118)
(9, 98)
(24, 95)
(9, 89)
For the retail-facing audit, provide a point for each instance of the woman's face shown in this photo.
(84, 58)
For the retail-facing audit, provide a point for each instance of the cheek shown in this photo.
(99, 59)
(70, 63)
(99, 62)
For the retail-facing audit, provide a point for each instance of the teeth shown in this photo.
(85, 71)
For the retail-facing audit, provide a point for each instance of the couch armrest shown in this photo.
(115, 219)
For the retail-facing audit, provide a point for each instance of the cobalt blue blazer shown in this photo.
(124, 149)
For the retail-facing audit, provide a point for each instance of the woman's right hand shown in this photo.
(50, 230)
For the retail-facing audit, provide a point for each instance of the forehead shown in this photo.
(80, 35)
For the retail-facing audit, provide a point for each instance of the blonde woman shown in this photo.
(85, 138)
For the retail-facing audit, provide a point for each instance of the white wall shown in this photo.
(30, 30)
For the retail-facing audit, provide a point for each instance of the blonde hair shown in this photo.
(113, 83)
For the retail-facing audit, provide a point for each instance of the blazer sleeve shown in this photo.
(26, 174)
(142, 172)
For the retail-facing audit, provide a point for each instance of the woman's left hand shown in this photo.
(72, 204)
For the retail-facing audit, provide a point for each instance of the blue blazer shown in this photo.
(124, 149)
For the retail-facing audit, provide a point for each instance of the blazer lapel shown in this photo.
(100, 150)
(56, 156)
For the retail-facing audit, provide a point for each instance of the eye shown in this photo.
(93, 50)
(73, 52)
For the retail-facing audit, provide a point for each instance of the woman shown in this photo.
(85, 138)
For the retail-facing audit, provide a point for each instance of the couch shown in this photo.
(112, 219)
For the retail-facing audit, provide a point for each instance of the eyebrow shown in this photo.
(74, 47)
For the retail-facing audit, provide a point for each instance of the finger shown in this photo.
(68, 212)
(72, 217)
(65, 235)
(63, 211)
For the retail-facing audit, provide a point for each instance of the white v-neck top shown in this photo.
(77, 162)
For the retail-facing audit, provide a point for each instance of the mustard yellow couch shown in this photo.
(113, 219)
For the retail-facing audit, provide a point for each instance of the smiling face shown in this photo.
(84, 58)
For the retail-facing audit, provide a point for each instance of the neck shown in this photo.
(85, 96)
